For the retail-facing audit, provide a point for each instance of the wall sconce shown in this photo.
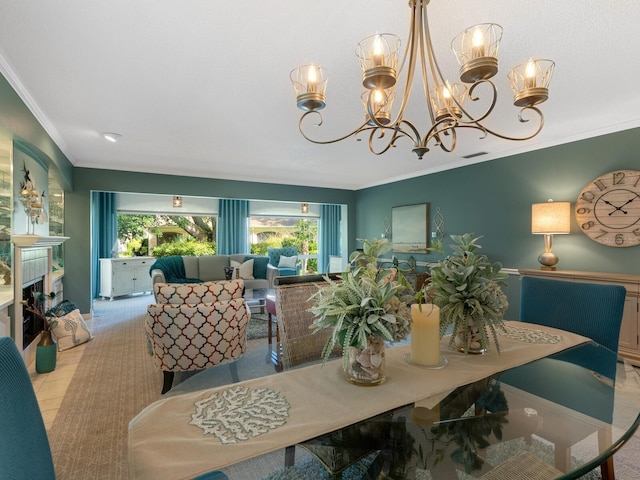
(177, 202)
(548, 219)
(305, 208)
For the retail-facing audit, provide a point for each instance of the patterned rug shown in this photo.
(258, 326)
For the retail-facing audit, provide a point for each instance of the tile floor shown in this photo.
(51, 387)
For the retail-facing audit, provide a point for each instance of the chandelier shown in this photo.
(476, 50)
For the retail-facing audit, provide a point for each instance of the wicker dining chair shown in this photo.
(298, 343)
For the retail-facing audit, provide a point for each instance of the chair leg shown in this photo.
(606, 470)
(167, 381)
(233, 367)
(290, 456)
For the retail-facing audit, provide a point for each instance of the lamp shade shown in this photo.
(551, 217)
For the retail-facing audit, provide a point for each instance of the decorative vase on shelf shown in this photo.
(366, 364)
(46, 353)
(468, 339)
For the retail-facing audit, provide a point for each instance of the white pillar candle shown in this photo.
(425, 334)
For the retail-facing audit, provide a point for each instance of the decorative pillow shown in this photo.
(71, 330)
(259, 266)
(245, 269)
(287, 262)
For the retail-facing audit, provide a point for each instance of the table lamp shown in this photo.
(548, 219)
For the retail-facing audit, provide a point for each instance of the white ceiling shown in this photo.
(201, 87)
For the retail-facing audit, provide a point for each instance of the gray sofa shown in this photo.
(211, 268)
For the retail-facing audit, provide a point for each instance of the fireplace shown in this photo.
(32, 271)
(32, 325)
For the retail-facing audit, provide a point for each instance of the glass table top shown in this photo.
(557, 417)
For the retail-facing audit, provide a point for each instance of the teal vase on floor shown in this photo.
(46, 353)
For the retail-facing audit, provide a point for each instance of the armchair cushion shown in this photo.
(193, 337)
(287, 262)
(275, 254)
(193, 293)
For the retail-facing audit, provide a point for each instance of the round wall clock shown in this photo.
(608, 209)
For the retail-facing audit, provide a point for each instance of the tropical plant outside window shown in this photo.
(275, 232)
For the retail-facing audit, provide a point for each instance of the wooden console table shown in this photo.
(629, 346)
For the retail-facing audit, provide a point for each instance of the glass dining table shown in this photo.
(558, 416)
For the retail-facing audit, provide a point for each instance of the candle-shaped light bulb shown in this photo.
(477, 43)
(312, 79)
(446, 94)
(378, 57)
(377, 98)
(530, 74)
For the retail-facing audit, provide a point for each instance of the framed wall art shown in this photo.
(410, 228)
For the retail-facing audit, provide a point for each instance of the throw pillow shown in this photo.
(259, 266)
(287, 262)
(245, 269)
(71, 330)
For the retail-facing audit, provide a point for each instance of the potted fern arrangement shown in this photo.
(467, 288)
(365, 308)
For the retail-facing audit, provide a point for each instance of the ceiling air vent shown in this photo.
(473, 155)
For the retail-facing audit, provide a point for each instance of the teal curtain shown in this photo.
(329, 235)
(233, 226)
(104, 232)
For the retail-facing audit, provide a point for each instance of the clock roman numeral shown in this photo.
(588, 196)
(618, 178)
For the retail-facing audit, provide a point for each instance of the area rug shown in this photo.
(114, 380)
(258, 326)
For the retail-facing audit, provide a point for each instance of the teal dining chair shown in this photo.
(25, 453)
(592, 310)
(588, 309)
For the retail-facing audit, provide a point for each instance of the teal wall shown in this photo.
(25, 130)
(494, 198)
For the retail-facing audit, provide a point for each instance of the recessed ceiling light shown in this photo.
(112, 137)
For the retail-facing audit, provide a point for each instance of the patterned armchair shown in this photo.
(196, 326)
(274, 255)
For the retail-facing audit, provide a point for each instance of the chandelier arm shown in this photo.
(440, 129)
(327, 142)
(425, 36)
(388, 146)
(523, 120)
(470, 119)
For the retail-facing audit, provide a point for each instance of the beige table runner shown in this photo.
(244, 420)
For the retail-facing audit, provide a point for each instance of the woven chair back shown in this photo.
(299, 343)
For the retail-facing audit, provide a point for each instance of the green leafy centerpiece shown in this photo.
(365, 307)
(467, 288)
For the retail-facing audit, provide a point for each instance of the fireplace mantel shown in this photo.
(30, 240)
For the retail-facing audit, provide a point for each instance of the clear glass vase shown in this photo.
(367, 364)
(468, 339)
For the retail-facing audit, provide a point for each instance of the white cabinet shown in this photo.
(124, 276)
(629, 343)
